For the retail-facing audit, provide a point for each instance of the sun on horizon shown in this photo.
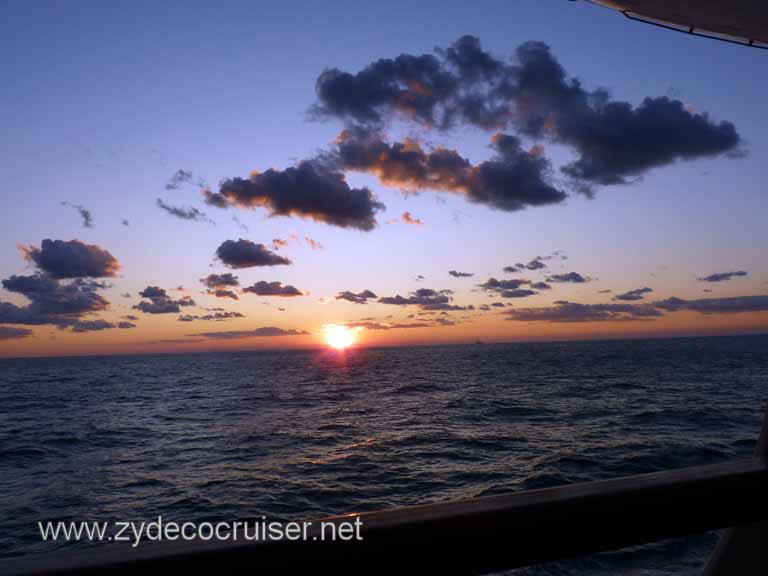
(339, 336)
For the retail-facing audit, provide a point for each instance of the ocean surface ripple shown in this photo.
(303, 434)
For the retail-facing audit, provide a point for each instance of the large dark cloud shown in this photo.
(310, 189)
(157, 301)
(13, 333)
(262, 288)
(246, 254)
(463, 84)
(512, 180)
(72, 259)
(636, 294)
(356, 297)
(266, 331)
(51, 301)
(723, 276)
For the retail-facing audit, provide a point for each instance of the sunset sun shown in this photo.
(339, 337)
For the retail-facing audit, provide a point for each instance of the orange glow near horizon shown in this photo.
(339, 337)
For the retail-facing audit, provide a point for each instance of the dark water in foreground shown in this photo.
(307, 434)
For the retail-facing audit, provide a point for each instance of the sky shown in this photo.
(186, 176)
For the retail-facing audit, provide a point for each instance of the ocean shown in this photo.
(304, 434)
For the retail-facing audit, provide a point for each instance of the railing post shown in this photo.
(743, 550)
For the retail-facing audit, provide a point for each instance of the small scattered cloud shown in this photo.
(426, 298)
(266, 331)
(157, 301)
(263, 288)
(457, 274)
(569, 277)
(84, 213)
(356, 297)
(190, 213)
(216, 316)
(636, 294)
(179, 178)
(313, 244)
(508, 288)
(14, 333)
(723, 276)
(246, 254)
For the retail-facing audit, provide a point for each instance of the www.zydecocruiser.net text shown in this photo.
(158, 530)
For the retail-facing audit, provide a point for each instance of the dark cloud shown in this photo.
(126, 325)
(159, 302)
(423, 297)
(636, 294)
(519, 293)
(512, 180)
(262, 288)
(217, 285)
(51, 301)
(356, 297)
(573, 312)
(125, 222)
(190, 213)
(13, 333)
(266, 331)
(541, 286)
(495, 285)
(723, 276)
(217, 316)
(463, 84)
(310, 189)
(84, 213)
(572, 277)
(535, 264)
(222, 293)
(564, 311)
(732, 305)
(388, 326)
(456, 274)
(91, 325)
(246, 254)
(180, 177)
(72, 259)
(220, 280)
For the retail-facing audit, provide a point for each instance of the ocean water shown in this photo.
(303, 434)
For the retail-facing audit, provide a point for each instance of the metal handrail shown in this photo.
(474, 536)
